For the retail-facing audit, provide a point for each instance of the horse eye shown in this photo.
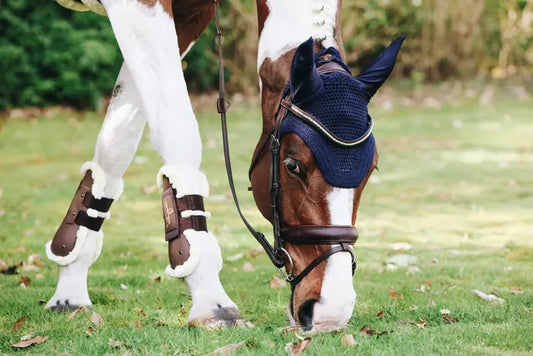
(294, 167)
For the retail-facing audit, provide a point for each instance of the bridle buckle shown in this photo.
(286, 276)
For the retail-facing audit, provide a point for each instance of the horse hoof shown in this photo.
(65, 305)
(219, 319)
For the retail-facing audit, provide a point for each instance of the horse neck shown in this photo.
(283, 25)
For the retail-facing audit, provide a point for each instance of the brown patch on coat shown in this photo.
(262, 13)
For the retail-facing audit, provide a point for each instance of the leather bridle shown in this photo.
(339, 236)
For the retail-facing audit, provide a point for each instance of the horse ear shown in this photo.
(375, 74)
(305, 80)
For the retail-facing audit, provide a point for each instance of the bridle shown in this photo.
(339, 235)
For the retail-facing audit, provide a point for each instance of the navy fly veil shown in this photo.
(341, 106)
(339, 101)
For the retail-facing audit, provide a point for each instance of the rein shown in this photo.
(340, 236)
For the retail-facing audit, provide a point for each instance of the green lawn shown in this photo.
(455, 182)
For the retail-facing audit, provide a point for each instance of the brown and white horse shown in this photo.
(153, 35)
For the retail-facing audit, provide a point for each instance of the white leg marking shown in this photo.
(115, 147)
(289, 23)
(149, 44)
(337, 297)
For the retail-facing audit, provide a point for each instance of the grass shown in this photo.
(454, 182)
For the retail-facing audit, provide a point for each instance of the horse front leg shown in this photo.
(78, 241)
(147, 38)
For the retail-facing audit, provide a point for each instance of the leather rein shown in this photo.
(339, 235)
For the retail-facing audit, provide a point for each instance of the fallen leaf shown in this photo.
(18, 323)
(114, 343)
(428, 283)
(24, 281)
(137, 324)
(421, 324)
(39, 275)
(401, 260)
(413, 269)
(3, 266)
(156, 279)
(26, 337)
(449, 319)
(276, 282)
(422, 289)
(139, 311)
(228, 349)
(401, 246)
(348, 341)
(366, 330)
(12, 269)
(445, 311)
(35, 259)
(90, 331)
(123, 286)
(74, 313)
(255, 251)
(295, 348)
(488, 297)
(248, 267)
(150, 189)
(382, 314)
(234, 257)
(27, 343)
(394, 295)
(413, 308)
(97, 320)
(517, 290)
(431, 304)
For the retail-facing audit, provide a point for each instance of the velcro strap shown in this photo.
(83, 219)
(101, 205)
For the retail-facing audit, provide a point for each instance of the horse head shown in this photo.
(326, 154)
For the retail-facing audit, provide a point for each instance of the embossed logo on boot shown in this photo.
(169, 214)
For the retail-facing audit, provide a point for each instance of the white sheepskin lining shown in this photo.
(99, 178)
(81, 235)
(188, 267)
(185, 181)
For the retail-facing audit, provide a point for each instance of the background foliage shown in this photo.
(50, 55)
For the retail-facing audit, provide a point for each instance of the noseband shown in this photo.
(342, 236)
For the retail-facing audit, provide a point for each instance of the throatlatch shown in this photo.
(87, 212)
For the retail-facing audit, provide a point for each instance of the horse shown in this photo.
(312, 161)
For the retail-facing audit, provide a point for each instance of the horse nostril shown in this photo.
(305, 314)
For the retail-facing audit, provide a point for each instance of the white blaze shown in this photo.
(337, 297)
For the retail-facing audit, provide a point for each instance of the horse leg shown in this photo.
(147, 38)
(77, 244)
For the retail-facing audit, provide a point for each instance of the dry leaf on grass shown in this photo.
(150, 189)
(18, 323)
(228, 349)
(394, 295)
(421, 324)
(90, 330)
(422, 289)
(114, 343)
(97, 320)
(517, 290)
(295, 348)
(276, 282)
(366, 330)
(248, 267)
(75, 312)
(3, 266)
(24, 281)
(348, 341)
(413, 308)
(449, 319)
(29, 342)
(255, 251)
(123, 286)
(139, 311)
(156, 279)
(382, 314)
(35, 259)
(445, 311)
(234, 257)
(488, 297)
(401, 246)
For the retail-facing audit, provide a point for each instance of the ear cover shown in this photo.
(305, 80)
(375, 74)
